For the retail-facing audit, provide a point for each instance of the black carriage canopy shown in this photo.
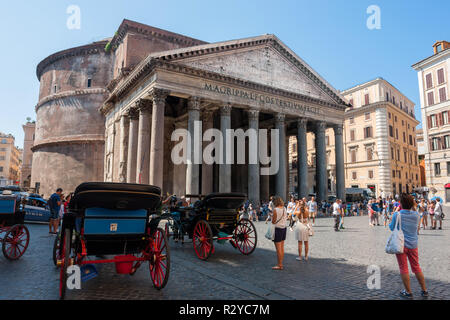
(117, 196)
(223, 200)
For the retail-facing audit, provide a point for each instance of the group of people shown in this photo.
(387, 207)
(299, 216)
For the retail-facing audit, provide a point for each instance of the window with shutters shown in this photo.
(369, 154)
(410, 140)
(352, 135)
(404, 136)
(370, 174)
(433, 121)
(391, 131)
(437, 169)
(353, 155)
(405, 157)
(442, 95)
(434, 144)
(398, 154)
(447, 142)
(392, 153)
(440, 74)
(429, 81)
(445, 117)
(368, 132)
(430, 96)
(396, 133)
(393, 173)
(366, 99)
(354, 175)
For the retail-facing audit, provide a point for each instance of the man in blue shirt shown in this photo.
(54, 204)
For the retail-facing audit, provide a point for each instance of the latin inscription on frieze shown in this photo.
(264, 99)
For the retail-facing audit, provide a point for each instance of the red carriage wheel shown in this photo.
(167, 230)
(65, 259)
(245, 236)
(202, 239)
(159, 262)
(15, 242)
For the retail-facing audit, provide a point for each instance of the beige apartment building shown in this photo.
(28, 129)
(10, 160)
(433, 74)
(380, 147)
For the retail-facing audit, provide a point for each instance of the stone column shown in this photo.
(123, 147)
(207, 169)
(253, 169)
(143, 148)
(321, 162)
(157, 137)
(302, 158)
(224, 168)
(281, 180)
(194, 148)
(340, 170)
(133, 116)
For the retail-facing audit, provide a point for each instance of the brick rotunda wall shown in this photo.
(69, 141)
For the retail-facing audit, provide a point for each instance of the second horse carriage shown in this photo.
(14, 235)
(114, 219)
(214, 217)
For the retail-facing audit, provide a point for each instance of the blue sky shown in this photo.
(331, 36)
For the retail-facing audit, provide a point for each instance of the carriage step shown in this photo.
(88, 272)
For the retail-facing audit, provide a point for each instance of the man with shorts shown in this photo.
(54, 204)
(312, 207)
(337, 214)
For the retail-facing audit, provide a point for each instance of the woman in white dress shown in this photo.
(302, 229)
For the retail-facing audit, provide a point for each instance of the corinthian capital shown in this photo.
(194, 103)
(225, 110)
(253, 114)
(280, 117)
(302, 122)
(143, 105)
(321, 125)
(158, 95)
(338, 129)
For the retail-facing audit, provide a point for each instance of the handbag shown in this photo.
(310, 229)
(270, 234)
(396, 240)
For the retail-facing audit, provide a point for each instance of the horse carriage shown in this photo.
(214, 217)
(114, 219)
(14, 235)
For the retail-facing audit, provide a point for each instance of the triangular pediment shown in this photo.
(269, 64)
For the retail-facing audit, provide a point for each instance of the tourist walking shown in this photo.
(302, 229)
(423, 211)
(54, 204)
(431, 207)
(438, 214)
(270, 210)
(312, 208)
(290, 211)
(409, 222)
(337, 214)
(279, 220)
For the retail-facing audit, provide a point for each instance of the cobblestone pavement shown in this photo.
(337, 269)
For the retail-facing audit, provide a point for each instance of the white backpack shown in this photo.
(396, 241)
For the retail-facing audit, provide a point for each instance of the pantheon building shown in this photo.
(107, 111)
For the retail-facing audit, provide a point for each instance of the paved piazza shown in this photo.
(337, 269)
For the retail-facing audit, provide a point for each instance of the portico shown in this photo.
(255, 83)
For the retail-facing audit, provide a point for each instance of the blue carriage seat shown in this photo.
(7, 204)
(102, 221)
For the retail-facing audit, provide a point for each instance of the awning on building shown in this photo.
(447, 186)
